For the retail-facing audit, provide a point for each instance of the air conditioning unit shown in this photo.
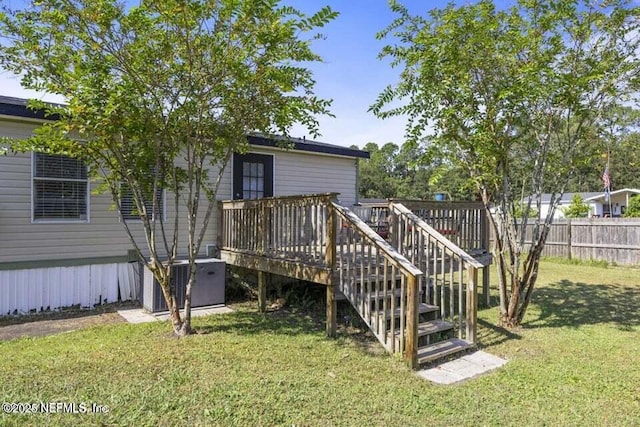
(208, 289)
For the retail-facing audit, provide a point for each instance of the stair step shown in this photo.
(422, 308)
(430, 327)
(396, 292)
(441, 349)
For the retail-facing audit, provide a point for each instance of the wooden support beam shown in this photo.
(411, 336)
(282, 267)
(472, 304)
(332, 309)
(219, 227)
(262, 291)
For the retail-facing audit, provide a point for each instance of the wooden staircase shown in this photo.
(419, 312)
(416, 292)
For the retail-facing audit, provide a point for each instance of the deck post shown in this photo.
(411, 337)
(260, 227)
(391, 223)
(330, 260)
(220, 227)
(262, 291)
(472, 304)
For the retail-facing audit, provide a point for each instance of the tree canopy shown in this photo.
(159, 97)
(517, 98)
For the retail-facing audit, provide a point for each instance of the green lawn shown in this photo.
(576, 361)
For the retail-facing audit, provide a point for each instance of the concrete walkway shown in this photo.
(139, 315)
(467, 367)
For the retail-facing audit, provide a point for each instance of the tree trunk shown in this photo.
(181, 327)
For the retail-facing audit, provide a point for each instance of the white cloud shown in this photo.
(10, 86)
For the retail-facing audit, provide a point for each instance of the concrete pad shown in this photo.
(137, 315)
(198, 311)
(140, 315)
(467, 367)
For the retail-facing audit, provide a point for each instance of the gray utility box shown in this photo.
(208, 289)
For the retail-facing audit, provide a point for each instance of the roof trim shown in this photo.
(17, 107)
(307, 145)
(613, 193)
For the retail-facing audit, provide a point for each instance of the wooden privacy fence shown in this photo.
(615, 240)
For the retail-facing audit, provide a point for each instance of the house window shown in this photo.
(130, 209)
(252, 180)
(60, 188)
(252, 176)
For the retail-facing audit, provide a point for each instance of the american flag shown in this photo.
(606, 179)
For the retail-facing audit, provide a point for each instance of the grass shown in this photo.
(574, 362)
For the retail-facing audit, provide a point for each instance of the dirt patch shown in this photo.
(55, 322)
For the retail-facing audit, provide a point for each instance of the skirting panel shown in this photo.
(38, 289)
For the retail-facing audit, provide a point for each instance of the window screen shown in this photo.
(130, 210)
(59, 188)
(252, 180)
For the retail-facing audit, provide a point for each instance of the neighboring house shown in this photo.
(615, 206)
(62, 245)
(564, 202)
(598, 206)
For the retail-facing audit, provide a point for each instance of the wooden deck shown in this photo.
(414, 289)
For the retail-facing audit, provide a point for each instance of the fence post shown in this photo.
(411, 337)
(330, 260)
(569, 255)
(472, 304)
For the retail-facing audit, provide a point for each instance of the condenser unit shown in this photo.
(208, 289)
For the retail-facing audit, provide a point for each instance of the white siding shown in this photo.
(102, 236)
(295, 172)
(298, 172)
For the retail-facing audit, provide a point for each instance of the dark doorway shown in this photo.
(252, 176)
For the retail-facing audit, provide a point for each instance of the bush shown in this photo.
(633, 210)
(577, 208)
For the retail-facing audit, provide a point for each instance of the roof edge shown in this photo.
(17, 107)
(310, 146)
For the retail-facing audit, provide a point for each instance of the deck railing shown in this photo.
(393, 283)
(462, 222)
(315, 230)
(380, 283)
(450, 274)
(290, 227)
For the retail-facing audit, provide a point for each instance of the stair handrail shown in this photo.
(472, 267)
(397, 260)
(420, 223)
(396, 257)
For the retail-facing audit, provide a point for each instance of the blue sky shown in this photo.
(351, 74)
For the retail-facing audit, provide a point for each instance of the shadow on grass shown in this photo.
(490, 334)
(283, 321)
(568, 303)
